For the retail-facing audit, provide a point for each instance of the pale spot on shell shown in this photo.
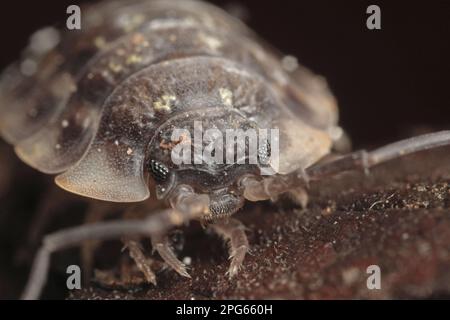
(44, 40)
(289, 63)
(173, 38)
(133, 59)
(335, 133)
(130, 22)
(115, 67)
(28, 67)
(100, 42)
(227, 96)
(164, 103)
(211, 42)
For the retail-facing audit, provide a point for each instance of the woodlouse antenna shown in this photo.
(271, 187)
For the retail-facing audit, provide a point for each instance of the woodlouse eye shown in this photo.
(159, 171)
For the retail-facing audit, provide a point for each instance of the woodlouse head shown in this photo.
(193, 149)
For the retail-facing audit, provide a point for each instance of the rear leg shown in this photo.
(160, 243)
(99, 231)
(233, 231)
(134, 247)
(137, 253)
(129, 275)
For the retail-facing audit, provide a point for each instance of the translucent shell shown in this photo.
(112, 167)
(85, 104)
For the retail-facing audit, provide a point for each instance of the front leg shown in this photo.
(138, 256)
(162, 246)
(233, 231)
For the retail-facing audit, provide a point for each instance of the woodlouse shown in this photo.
(97, 107)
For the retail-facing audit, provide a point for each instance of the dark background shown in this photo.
(388, 82)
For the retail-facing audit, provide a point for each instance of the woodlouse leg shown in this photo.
(272, 186)
(134, 247)
(162, 246)
(194, 206)
(138, 256)
(233, 231)
(156, 223)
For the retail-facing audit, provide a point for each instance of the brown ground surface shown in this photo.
(397, 218)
